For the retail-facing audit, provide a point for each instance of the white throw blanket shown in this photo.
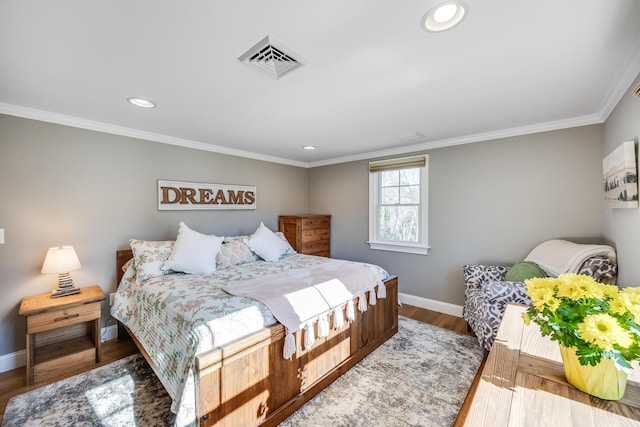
(561, 256)
(301, 297)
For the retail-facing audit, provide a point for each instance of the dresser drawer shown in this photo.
(315, 235)
(321, 253)
(313, 223)
(318, 246)
(63, 317)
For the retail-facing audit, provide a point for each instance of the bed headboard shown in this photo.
(122, 256)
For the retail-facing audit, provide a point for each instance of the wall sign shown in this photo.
(175, 195)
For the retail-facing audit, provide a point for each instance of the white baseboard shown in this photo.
(12, 360)
(430, 304)
(109, 333)
(19, 358)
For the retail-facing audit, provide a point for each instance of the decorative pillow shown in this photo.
(232, 238)
(524, 270)
(280, 234)
(266, 244)
(126, 265)
(290, 250)
(194, 252)
(129, 271)
(149, 257)
(234, 252)
(601, 268)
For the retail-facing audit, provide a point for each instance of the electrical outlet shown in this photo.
(1, 236)
(112, 295)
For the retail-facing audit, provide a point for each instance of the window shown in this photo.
(398, 205)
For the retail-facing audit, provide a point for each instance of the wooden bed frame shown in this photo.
(248, 382)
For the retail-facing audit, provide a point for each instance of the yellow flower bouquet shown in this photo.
(597, 320)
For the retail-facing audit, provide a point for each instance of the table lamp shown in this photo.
(62, 260)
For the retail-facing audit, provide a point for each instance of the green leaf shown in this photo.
(588, 355)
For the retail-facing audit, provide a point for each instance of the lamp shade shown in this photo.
(61, 259)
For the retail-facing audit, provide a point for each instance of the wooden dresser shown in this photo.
(307, 234)
(523, 384)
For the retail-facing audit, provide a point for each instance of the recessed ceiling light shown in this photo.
(141, 102)
(309, 147)
(444, 16)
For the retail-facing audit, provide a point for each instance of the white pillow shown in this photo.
(194, 252)
(266, 244)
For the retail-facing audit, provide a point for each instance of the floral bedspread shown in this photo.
(177, 316)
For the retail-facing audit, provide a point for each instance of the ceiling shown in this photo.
(373, 82)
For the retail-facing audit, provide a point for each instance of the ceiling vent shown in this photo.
(636, 91)
(271, 57)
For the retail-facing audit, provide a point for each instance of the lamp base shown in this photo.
(61, 292)
(65, 286)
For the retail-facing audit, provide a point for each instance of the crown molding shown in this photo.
(479, 137)
(621, 83)
(61, 119)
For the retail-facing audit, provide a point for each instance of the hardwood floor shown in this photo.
(12, 382)
(453, 323)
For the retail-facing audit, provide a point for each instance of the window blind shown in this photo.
(395, 164)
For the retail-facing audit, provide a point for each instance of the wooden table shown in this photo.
(62, 333)
(523, 384)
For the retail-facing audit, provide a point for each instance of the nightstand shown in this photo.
(63, 333)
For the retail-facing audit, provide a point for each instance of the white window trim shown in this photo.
(422, 247)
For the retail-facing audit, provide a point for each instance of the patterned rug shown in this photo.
(122, 393)
(419, 377)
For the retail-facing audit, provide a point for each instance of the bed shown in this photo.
(238, 375)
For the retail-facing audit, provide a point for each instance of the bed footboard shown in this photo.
(248, 382)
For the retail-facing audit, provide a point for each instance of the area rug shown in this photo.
(419, 377)
(122, 393)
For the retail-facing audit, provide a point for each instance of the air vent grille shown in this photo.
(636, 91)
(271, 57)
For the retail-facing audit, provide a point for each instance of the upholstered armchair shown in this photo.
(487, 293)
(486, 296)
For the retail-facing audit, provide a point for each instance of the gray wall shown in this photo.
(623, 225)
(66, 186)
(489, 202)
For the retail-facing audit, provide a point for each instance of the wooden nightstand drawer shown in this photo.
(63, 317)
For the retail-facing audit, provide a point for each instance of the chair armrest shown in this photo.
(477, 274)
(497, 294)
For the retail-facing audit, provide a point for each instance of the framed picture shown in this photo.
(621, 177)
